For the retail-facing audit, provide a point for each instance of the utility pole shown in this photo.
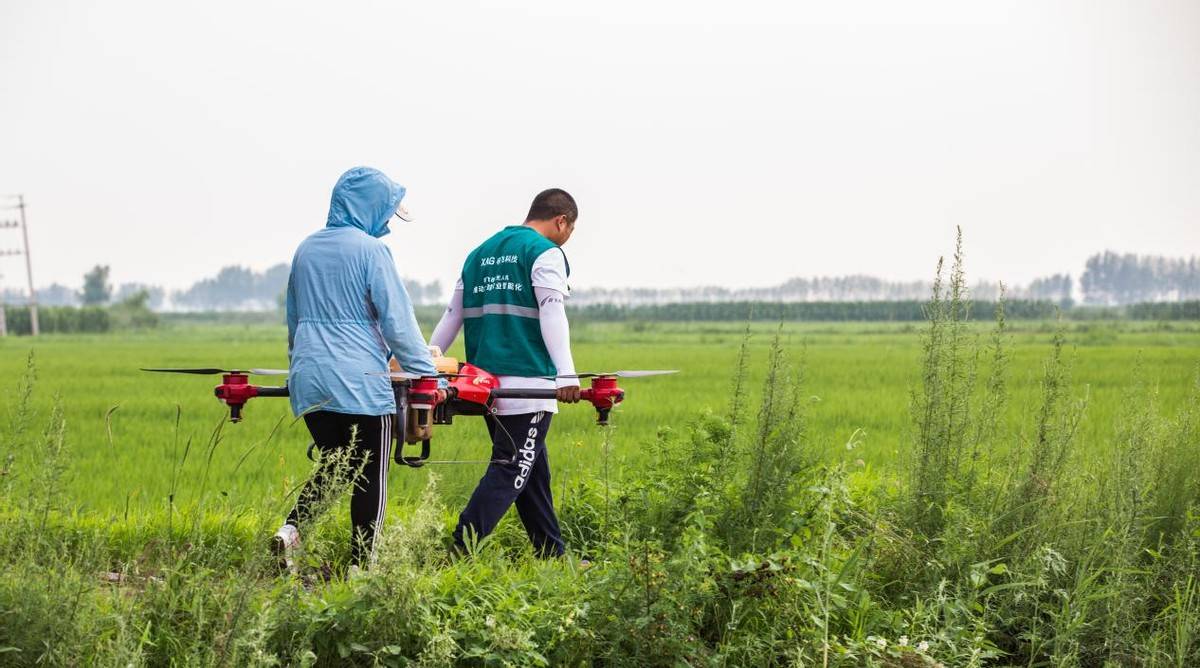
(33, 316)
(33, 313)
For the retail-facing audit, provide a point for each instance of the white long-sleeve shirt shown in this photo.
(549, 279)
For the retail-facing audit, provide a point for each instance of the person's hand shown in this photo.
(441, 395)
(569, 394)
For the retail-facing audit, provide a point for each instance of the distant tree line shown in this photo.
(909, 310)
(126, 315)
(58, 319)
(858, 288)
(233, 288)
(1189, 310)
(1111, 278)
(236, 288)
(891, 311)
(129, 313)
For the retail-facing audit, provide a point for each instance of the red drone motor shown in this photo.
(603, 394)
(235, 390)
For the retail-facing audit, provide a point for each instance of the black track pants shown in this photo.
(372, 451)
(523, 480)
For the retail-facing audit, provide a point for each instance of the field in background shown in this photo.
(125, 446)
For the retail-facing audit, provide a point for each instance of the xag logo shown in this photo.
(527, 454)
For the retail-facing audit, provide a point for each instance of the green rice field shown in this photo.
(801, 494)
(124, 440)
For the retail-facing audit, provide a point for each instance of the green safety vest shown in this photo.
(500, 311)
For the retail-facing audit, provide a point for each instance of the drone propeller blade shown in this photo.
(395, 375)
(618, 374)
(269, 372)
(214, 371)
(204, 372)
(404, 375)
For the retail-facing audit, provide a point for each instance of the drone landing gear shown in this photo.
(409, 460)
(401, 424)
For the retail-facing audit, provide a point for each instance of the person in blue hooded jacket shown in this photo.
(347, 312)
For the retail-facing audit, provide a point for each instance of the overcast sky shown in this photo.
(734, 143)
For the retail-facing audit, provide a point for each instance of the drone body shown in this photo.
(419, 405)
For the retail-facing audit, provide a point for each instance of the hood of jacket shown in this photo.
(364, 198)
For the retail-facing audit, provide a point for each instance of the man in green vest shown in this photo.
(510, 300)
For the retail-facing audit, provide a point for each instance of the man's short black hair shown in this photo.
(551, 203)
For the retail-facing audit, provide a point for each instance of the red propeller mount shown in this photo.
(235, 390)
(603, 394)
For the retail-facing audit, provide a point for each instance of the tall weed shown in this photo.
(941, 409)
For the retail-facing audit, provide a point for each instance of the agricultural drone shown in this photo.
(468, 390)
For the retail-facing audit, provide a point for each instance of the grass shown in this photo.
(780, 515)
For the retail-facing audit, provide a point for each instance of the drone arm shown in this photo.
(604, 394)
(520, 393)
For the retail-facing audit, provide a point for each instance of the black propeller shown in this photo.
(404, 375)
(618, 374)
(213, 371)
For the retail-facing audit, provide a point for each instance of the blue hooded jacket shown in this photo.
(346, 307)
